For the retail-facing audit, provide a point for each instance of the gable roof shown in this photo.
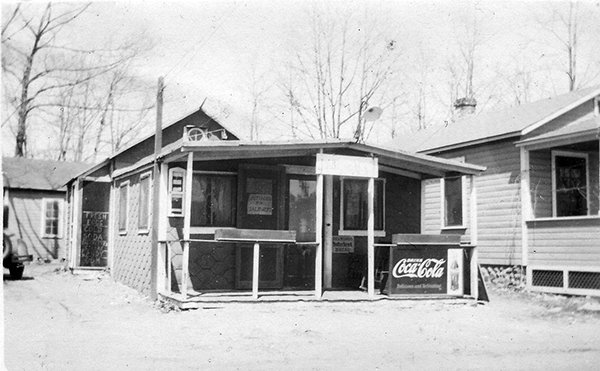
(24, 173)
(506, 123)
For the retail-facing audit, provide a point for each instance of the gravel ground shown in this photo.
(58, 321)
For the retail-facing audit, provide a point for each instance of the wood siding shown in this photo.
(132, 249)
(565, 242)
(498, 202)
(25, 220)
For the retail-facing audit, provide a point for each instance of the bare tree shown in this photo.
(42, 33)
(73, 90)
(348, 65)
(573, 30)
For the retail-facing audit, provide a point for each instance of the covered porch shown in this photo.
(561, 209)
(246, 221)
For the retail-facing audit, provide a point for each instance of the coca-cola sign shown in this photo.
(421, 270)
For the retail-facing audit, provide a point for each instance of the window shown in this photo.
(144, 202)
(452, 202)
(213, 200)
(5, 217)
(123, 206)
(354, 205)
(302, 202)
(176, 191)
(569, 183)
(51, 218)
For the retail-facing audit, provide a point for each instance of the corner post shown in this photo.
(371, 238)
(186, 224)
(474, 238)
(319, 238)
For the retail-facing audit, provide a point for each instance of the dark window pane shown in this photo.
(356, 204)
(571, 186)
(453, 202)
(213, 201)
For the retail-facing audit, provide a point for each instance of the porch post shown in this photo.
(371, 238)
(162, 246)
(319, 237)
(473, 228)
(526, 210)
(328, 233)
(255, 270)
(187, 211)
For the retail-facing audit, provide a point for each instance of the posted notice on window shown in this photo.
(260, 204)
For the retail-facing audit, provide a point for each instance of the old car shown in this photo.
(15, 254)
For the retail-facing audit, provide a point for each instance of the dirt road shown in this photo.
(58, 321)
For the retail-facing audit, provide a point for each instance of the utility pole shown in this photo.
(156, 177)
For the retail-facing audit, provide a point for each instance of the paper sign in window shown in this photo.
(260, 204)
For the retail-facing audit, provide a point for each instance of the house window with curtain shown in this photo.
(213, 200)
(51, 218)
(354, 206)
(570, 184)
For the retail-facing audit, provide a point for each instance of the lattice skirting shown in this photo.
(564, 280)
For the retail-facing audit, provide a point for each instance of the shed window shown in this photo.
(355, 212)
(570, 183)
(453, 198)
(213, 200)
(51, 218)
(144, 202)
(123, 206)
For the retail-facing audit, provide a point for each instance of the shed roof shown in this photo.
(24, 173)
(495, 125)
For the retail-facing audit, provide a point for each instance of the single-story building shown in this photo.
(195, 210)
(35, 203)
(538, 200)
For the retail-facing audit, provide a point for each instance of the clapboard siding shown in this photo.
(565, 242)
(25, 221)
(498, 201)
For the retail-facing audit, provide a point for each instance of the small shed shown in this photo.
(35, 203)
(211, 214)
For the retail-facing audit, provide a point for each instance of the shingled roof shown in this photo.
(494, 125)
(24, 173)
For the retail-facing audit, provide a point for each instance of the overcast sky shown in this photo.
(209, 48)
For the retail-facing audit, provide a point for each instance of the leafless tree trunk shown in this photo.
(42, 36)
(336, 77)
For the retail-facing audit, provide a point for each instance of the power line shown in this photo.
(198, 46)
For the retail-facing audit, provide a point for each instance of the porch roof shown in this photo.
(411, 164)
(582, 130)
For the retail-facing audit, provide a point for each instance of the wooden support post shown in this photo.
(187, 215)
(255, 270)
(163, 248)
(319, 237)
(169, 266)
(328, 233)
(526, 211)
(474, 238)
(371, 238)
